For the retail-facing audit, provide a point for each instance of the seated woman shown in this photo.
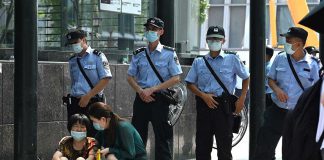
(77, 146)
(117, 137)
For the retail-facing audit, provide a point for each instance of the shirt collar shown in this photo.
(158, 48)
(221, 54)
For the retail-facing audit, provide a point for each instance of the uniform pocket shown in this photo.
(163, 69)
(282, 75)
(226, 74)
(90, 67)
(305, 78)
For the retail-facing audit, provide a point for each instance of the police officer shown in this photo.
(211, 118)
(95, 66)
(311, 50)
(286, 90)
(148, 104)
(268, 91)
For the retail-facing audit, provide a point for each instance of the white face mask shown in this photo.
(214, 45)
(77, 47)
(288, 49)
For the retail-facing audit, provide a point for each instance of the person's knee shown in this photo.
(80, 158)
(64, 158)
(111, 157)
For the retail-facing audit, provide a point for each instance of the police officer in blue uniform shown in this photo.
(211, 118)
(148, 105)
(96, 67)
(286, 90)
(311, 50)
(268, 91)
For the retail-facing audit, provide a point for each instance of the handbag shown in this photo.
(228, 100)
(175, 95)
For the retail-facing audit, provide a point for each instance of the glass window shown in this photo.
(313, 1)
(216, 1)
(237, 25)
(267, 21)
(215, 16)
(284, 22)
(238, 1)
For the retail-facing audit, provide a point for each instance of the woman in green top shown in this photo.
(117, 137)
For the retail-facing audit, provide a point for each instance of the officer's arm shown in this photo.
(273, 84)
(194, 89)
(132, 82)
(99, 87)
(245, 87)
(282, 96)
(165, 85)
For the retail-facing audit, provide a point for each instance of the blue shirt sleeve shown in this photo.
(240, 69)
(314, 72)
(174, 65)
(272, 72)
(103, 67)
(192, 74)
(133, 68)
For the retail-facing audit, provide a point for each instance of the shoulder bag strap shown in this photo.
(84, 74)
(215, 76)
(294, 72)
(153, 67)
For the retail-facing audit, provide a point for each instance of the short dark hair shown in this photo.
(78, 118)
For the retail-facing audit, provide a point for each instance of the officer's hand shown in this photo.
(282, 96)
(84, 100)
(210, 101)
(239, 104)
(145, 98)
(104, 152)
(148, 91)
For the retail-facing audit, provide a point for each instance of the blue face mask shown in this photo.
(98, 127)
(151, 36)
(214, 45)
(288, 49)
(77, 47)
(78, 136)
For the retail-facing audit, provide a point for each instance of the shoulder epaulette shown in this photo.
(169, 48)
(96, 52)
(139, 50)
(315, 59)
(229, 52)
(281, 52)
(72, 56)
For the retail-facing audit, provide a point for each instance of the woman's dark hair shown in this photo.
(78, 118)
(98, 110)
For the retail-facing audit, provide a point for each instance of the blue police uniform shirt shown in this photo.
(165, 61)
(226, 66)
(282, 74)
(267, 69)
(96, 68)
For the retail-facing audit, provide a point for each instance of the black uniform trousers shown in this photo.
(73, 108)
(270, 132)
(212, 122)
(155, 112)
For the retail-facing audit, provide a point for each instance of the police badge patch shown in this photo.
(106, 65)
(176, 59)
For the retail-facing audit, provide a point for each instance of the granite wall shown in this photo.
(53, 82)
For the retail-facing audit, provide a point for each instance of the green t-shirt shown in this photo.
(128, 144)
